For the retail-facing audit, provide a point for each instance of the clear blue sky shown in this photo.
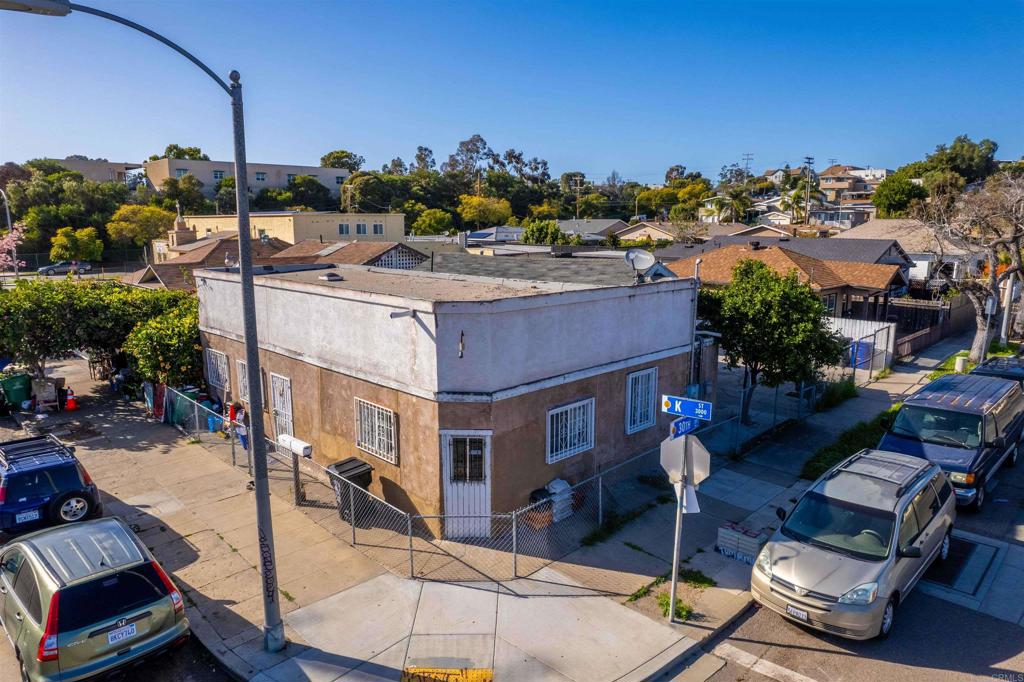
(593, 86)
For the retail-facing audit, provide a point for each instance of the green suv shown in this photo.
(86, 599)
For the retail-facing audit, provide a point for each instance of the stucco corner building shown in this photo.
(465, 393)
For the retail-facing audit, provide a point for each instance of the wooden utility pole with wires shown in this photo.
(808, 164)
(577, 184)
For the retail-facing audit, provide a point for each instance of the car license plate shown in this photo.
(796, 613)
(27, 516)
(121, 634)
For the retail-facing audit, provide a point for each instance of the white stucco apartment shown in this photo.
(261, 175)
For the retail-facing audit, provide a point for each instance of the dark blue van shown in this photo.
(1005, 368)
(43, 483)
(968, 424)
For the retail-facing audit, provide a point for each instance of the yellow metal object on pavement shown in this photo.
(447, 675)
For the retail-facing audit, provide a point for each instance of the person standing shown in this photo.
(242, 425)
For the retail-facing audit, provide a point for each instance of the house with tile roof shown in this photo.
(396, 255)
(837, 282)
(217, 250)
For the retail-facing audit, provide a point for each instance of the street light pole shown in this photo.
(273, 628)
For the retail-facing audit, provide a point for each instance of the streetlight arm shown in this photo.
(152, 34)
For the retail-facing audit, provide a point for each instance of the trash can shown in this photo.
(358, 473)
(17, 388)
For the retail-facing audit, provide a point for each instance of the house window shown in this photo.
(217, 369)
(218, 175)
(360, 228)
(378, 228)
(375, 431)
(640, 409)
(261, 177)
(570, 430)
(339, 179)
(468, 459)
(830, 303)
(291, 176)
(180, 172)
(243, 380)
(343, 228)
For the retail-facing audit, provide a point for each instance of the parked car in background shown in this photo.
(87, 600)
(43, 483)
(63, 267)
(856, 543)
(968, 424)
(1011, 368)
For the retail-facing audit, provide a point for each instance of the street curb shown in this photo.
(236, 667)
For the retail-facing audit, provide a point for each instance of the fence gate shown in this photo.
(281, 403)
(466, 467)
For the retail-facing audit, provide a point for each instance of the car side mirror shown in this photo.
(998, 442)
(781, 513)
(886, 422)
(910, 552)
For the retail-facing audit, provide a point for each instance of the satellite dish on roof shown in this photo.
(641, 261)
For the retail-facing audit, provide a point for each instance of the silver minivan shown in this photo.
(856, 543)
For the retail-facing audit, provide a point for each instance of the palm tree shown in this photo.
(794, 201)
(735, 203)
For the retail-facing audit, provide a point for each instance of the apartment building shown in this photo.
(296, 226)
(464, 393)
(261, 175)
(99, 170)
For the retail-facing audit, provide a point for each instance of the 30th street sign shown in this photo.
(682, 426)
(685, 407)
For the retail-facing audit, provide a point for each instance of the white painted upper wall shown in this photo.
(505, 343)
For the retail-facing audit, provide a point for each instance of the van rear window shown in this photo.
(109, 597)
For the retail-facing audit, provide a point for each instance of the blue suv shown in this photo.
(42, 483)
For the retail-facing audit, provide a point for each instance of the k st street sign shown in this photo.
(685, 407)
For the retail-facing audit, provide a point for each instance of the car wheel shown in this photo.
(888, 618)
(72, 507)
(51, 273)
(979, 500)
(944, 548)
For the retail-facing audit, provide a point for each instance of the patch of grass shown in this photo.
(837, 392)
(884, 373)
(284, 593)
(682, 610)
(861, 435)
(193, 440)
(995, 350)
(612, 523)
(646, 589)
(948, 366)
(695, 578)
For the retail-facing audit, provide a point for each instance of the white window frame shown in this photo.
(360, 228)
(376, 431)
(218, 175)
(217, 369)
(378, 228)
(179, 173)
(261, 176)
(640, 419)
(243, 380)
(291, 176)
(570, 444)
(343, 229)
(339, 179)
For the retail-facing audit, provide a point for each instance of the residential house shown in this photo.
(174, 271)
(496, 235)
(376, 254)
(924, 249)
(464, 393)
(837, 181)
(649, 229)
(296, 226)
(838, 282)
(260, 175)
(592, 229)
(842, 217)
(101, 170)
(776, 218)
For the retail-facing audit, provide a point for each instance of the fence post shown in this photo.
(195, 412)
(295, 479)
(231, 437)
(515, 542)
(412, 569)
(351, 508)
(600, 501)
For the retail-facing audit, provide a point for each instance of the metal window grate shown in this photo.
(243, 380)
(217, 368)
(570, 430)
(640, 398)
(375, 431)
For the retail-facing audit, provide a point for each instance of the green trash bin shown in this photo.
(17, 388)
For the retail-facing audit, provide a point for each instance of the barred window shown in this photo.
(375, 431)
(570, 430)
(217, 369)
(243, 380)
(640, 399)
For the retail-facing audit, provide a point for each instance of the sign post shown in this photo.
(687, 462)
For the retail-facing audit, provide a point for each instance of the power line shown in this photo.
(747, 158)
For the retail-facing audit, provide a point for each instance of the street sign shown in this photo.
(673, 451)
(684, 407)
(682, 426)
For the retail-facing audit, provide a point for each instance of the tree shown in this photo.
(423, 162)
(896, 194)
(186, 191)
(139, 225)
(10, 171)
(547, 210)
(543, 232)
(484, 211)
(166, 348)
(342, 158)
(676, 172)
(224, 196)
(734, 203)
(39, 322)
(733, 174)
(83, 244)
(433, 221)
(772, 325)
(987, 225)
(174, 151)
(308, 191)
(796, 199)
(396, 167)
(972, 160)
(592, 205)
(9, 241)
(688, 231)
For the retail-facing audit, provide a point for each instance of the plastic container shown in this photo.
(17, 388)
(359, 474)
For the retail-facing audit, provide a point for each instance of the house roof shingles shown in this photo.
(341, 253)
(913, 235)
(857, 251)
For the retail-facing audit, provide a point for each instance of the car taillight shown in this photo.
(48, 642)
(3, 491)
(179, 605)
(86, 478)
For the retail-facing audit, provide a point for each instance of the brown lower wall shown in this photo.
(324, 415)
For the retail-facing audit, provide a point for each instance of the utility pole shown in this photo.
(808, 163)
(747, 158)
(577, 184)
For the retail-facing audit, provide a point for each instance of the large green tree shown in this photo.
(484, 211)
(83, 244)
(166, 348)
(342, 158)
(139, 225)
(772, 325)
(175, 151)
(433, 221)
(896, 194)
(186, 191)
(309, 192)
(38, 320)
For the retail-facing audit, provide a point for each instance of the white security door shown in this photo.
(466, 467)
(281, 404)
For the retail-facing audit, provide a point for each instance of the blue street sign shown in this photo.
(684, 407)
(682, 426)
